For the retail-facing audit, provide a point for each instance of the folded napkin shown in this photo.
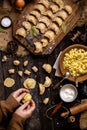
(56, 66)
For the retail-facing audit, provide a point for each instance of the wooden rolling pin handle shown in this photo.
(75, 109)
(56, 109)
(65, 114)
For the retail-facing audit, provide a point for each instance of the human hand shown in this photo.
(25, 111)
(19, 94)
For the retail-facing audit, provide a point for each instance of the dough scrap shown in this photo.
(41, 89)
(46, 100)
(20, 73)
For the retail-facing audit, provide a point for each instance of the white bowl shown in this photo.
(68, 93)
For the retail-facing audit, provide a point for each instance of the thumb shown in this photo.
(20, 97)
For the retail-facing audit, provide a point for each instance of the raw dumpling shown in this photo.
(31, 19)
(27, 97)
(26, 25)
(41, 89)
(62, 14)
(41, 27)
(38, 47)
(49, 14)
(45, 3)
(58, 20)
(47, 68)
(50, 35)
(68, 9)
(35, 13)
(47, 82)
(55, 28)
(21, 32)
(41, 8)
(45, 20)
(54, 8)
(44, 42)
(60, 3)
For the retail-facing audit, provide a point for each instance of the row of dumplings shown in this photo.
(47, 17)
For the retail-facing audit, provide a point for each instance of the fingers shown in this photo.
(26, 109)
(20, 97)
(32, 104)
(28, 106)
(19, 94)
(21, 90)
(31, 107)
(24, 106)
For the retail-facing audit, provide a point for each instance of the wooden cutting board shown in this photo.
(69, 23)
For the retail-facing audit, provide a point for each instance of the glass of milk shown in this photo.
(68, 93)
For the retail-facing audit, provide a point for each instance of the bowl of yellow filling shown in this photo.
(74, 60)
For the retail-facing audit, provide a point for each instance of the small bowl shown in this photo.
(68, 93)
(6, 22)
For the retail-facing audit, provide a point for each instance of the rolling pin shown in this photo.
(75, 109)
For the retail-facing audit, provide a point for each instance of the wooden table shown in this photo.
(39, 120)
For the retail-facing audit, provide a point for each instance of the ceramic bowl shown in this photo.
(68, 93)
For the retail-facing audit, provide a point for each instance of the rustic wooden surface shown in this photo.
(38, 121)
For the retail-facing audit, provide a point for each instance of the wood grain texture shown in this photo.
(39, 121)
(69, 23)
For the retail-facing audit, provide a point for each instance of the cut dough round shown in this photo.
(9, 82)
(27, 97)
(29, 83)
